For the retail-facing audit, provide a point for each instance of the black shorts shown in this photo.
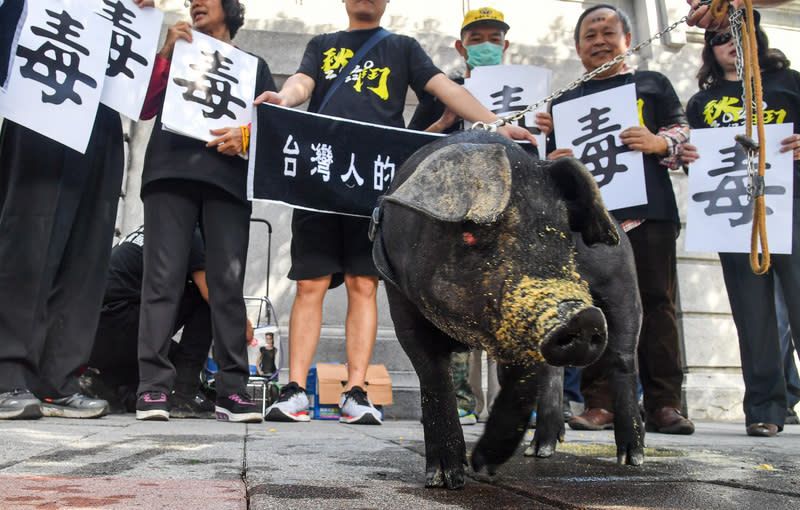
(330, 244)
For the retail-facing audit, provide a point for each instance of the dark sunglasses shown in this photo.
(720, 39)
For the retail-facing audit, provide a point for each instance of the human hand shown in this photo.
(180, 30)
(229, 140)
(544, 121)
(640, 138)
(145, 3)
(689, 154)
(448, 118)
(702, 17)
(517, 133)
(271, 98)
(792, 144)
(560, 153)
(250, 332)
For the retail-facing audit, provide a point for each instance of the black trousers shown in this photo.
(57, 213)
(115, 347)
(753, 306)
(172, 208)
(659, 354)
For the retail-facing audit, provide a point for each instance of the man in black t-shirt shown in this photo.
(327, 246)
(602, 33)
(114, 355)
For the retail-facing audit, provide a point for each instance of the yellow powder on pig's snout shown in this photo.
(530, 311)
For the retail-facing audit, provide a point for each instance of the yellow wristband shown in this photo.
(245, 139)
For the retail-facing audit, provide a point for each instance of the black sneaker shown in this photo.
(76, 405)
(190, 406)
(19, 404)
(238, 407)
(152, 405)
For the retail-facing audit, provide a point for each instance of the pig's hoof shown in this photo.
(447, 478)
(543, 450)
(480, 461)
(631, 456)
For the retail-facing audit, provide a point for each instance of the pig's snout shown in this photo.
(580, 340)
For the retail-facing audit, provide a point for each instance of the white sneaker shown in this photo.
(292, 405)
(356, 408)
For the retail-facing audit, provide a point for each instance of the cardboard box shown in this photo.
(326, 382)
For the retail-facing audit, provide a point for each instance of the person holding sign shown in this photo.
(482, 43)
(367, 71)
(185, 182)
(751, 296)
(602, 33)
(57, 213)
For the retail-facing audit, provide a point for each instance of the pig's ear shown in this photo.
(587, 213)
(459, 182)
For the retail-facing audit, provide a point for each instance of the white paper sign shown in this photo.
(211, 86)
(134, 42)
(590, 126)
(58, 72)
(720, 216)
(506, 90)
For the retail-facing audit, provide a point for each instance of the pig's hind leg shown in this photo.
(429, 351)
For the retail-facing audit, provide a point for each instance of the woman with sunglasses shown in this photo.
(719, 104)
(186, 182)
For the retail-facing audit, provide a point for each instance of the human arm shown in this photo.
(158, 78)
(199, 279)
(700, 15)
(664, 127)
(664, 143)
(295, 91)
(464, 104)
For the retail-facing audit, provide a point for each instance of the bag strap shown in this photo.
(377, 37)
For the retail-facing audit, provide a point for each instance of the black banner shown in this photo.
(325, 163)
(12, 16)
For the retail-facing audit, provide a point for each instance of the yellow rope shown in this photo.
(752, 87)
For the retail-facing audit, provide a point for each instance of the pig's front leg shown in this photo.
(429, 351)
(628, 429)
(549, 412)
(509, 418)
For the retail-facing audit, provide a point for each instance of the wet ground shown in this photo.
(117, 462)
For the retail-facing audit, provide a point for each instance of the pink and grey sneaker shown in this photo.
(238, 407)
(152, 405)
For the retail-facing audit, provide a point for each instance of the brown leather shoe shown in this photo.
(593, 418)
(669, 420)
(762, 429)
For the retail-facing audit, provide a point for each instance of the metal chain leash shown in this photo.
(492, 126)
(736, 19)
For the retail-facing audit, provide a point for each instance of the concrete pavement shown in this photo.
(118, 463)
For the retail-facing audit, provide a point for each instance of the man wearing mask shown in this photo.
(482, 43)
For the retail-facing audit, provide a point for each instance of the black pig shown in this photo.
(483, 246)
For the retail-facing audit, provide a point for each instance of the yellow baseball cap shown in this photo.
(484, 14)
